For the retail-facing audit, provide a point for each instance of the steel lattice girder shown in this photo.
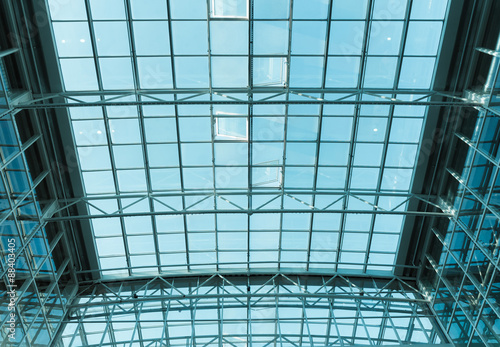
(253, 308)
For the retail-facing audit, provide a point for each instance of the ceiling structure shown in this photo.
(240, 177)
(236, 172)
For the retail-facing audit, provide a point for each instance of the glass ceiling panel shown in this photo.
(248, 187)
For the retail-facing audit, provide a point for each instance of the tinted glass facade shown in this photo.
(249, 172)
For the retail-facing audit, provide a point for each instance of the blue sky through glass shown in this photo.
(272, 158)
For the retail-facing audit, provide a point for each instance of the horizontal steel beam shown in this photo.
(246, 192)
(250, 296)
(250, 212)
(232, 91)
(6, 52)
(259, 273)
(248, 102)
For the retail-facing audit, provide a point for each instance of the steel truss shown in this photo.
(250, 310)
(194, 208)
(249, 96)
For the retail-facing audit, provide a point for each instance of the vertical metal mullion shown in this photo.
(3, 180)
(212, 142)
(108, 134)
(249, 313)
(142, 130)
(25, 243)
(80, 326)
(320, 122)
(483, 304)
(250, 127)
(4, 84)
(109, 320)
(285, 125)
(220, 311)
(331, 318)
(357, 107)
(416, 317)
(388, 317)
(456, 300)
(277, 327)
(192, 310)
(389, 126)
(165, 318)
(306, 324)
(179, 152)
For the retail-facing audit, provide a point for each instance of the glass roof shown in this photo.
(211, 187)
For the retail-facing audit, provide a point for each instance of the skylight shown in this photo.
(250, 170)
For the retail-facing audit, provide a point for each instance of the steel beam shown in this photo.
(327, 296)
(248, 102)
(250, 212)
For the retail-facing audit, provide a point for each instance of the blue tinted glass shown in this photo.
(416, 73)
(331, 178)
(333, 154)
(380, 72)
(199, 154)
(342, 72)
(423, 38)
(277, 9)
(110, 9)
(230, 72)
(310, 9)
(302, 128)
(229, 37)
(336, 128)
(191, 72)
(405, 130)
(147, 44)
(346, 37)
(131, 180)
(155, 72)
(112, 38)
(306, 72)
(385, 38)
(397, 179)
(355, 9)
(160, 130)
(79, 74)
(195, 129)
(94, 158)
(429, 9)
(270, 37)
(163, 155)
(192, 9)
(371, 129)
(72, 39)
(128, 156)
(368, 154)
(299, 177)
(300, 153)
(116, 73)
(308, 37)
(67, 10)
(389, 9)
(189, 37)
(98, 182)
(125, 131)
(155, 9)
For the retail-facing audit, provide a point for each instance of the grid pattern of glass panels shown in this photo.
(125, 45)
(256, 311)
(138, 154)
(465, 270)
(37, 285)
